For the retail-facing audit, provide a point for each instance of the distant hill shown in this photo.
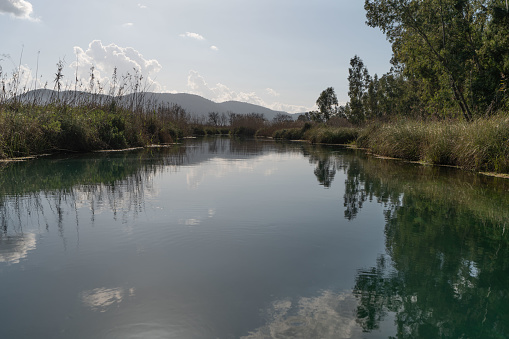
(193, 104)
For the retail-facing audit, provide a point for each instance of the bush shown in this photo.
(331, 135)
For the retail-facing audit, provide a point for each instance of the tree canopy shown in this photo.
(327, 104)
(454, 53)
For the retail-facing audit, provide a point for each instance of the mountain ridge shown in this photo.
(192, 103)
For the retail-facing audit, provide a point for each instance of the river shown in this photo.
(225, 238)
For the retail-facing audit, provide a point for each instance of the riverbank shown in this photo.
(481, 145)
(27, 130)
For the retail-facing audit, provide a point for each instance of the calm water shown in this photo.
(219, 238)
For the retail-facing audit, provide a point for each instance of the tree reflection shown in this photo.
(326, 164)
(325, 172)
(53, 188)
(447, 268)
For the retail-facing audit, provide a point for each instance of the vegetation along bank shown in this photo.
(444, 101)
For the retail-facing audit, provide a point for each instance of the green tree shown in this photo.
(447, 46)
(327, 104)
(358, 82)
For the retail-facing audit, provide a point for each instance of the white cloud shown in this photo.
(22, 79)
(277, 106)
(191, 35)
(105, 58)
(18, 8)
(220, 93)
(128, 24)
(272, 92)
(214, 48)
(142, 6)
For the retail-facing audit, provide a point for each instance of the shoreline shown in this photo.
(368, 151)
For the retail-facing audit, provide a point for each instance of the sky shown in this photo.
(280, 54)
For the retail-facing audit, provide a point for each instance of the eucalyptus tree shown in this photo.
(444, 43)
(327, 104)
(358, 83)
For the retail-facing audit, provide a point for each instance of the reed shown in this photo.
(481, 145)
(77, 118)
(331, 135)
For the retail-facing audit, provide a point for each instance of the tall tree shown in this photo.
(327, 104)
(358, 82)
(439, 41)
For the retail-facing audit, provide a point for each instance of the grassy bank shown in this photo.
(319, 134)
(481, 145)
(27, 129)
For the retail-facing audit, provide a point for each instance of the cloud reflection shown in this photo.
(329, 315)
(222, 167)
(15, 248)
(100, 299)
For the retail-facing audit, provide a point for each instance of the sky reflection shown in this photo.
(15, 248)
(328, 315)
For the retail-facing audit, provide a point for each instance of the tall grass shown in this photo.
(318, 133)
(78, 117)
(331, 135)
(481, 145)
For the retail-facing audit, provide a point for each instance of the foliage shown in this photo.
(481, 145)
(358, 82)
(453, 53)
(327, 104)
(34, 129)
(331, 135)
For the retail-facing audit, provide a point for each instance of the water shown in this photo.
(221, 238)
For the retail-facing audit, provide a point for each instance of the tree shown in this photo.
(358, 82)
(327, 104)
(371, 99)
(304, 117)
(282, 118)
(214, 118)
(444, 44)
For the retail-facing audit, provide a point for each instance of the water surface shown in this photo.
(220, 238)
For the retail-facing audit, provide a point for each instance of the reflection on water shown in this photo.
(446, 271)
(225, 238)
(14, 248)
(100, 299)
(328, 315)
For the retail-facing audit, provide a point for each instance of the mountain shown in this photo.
(193, 104)
(199, 106)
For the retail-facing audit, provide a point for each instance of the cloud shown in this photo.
(105, 58)
(128, 24)
(18, 8)
(219, 93)
(272, 92)
(191, 35)
(142, 6)
(214, 48)
(22, 79)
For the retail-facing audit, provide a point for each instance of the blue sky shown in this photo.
(279, 53)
